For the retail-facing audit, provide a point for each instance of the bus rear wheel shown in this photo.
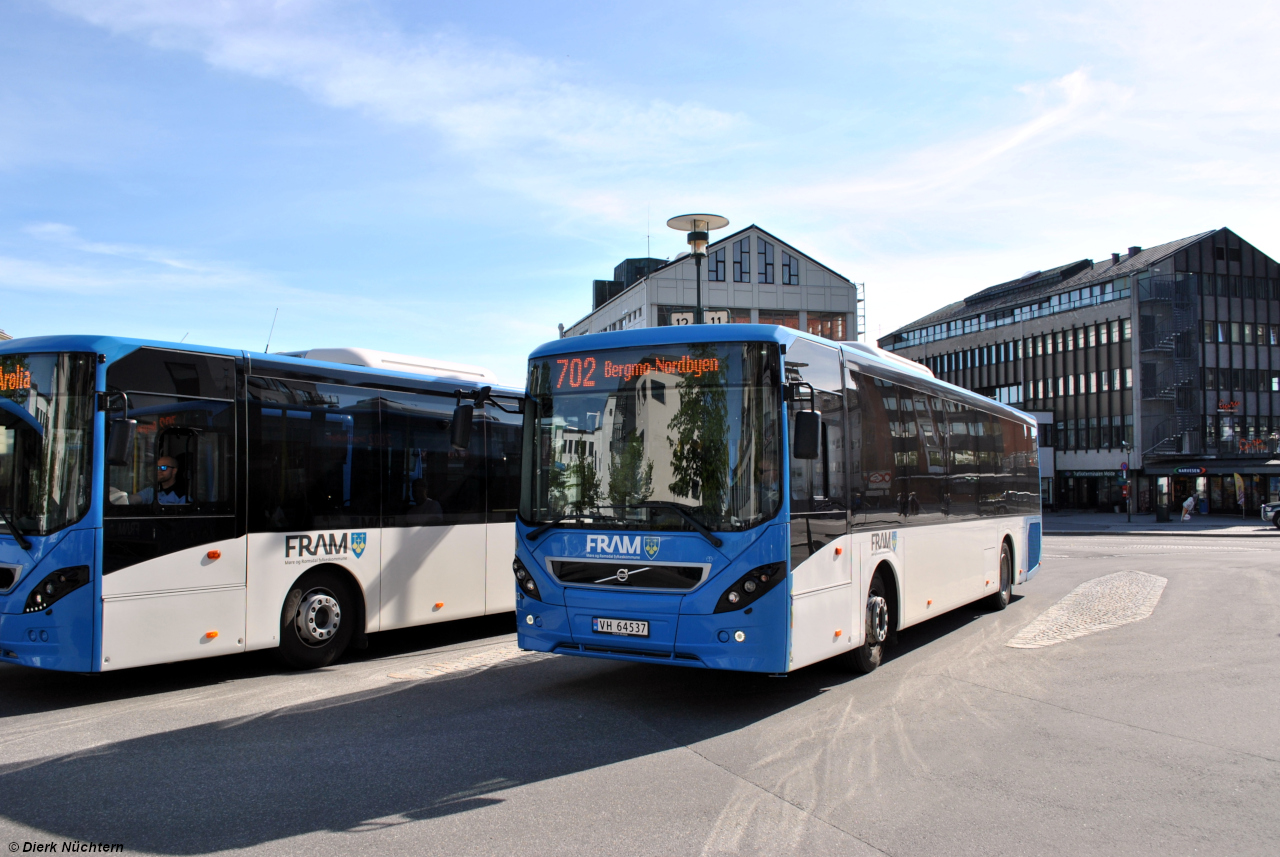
(868, 656)
(317, 621)
(1001, 599)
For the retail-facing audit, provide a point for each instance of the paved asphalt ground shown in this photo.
(1159, 737)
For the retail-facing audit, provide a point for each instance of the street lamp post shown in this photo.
(698, 226)
(1128, 481)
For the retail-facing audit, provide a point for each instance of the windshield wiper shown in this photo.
(682, 512)
(15, 531)
(572, 516)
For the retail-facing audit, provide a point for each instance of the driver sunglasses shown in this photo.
(164, 467)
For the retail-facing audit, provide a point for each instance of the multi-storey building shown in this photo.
(1165, 359)
(747, 277)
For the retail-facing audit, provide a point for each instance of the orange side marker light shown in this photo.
(214, 554)
(929, 603)
(210, 635)
(839, 551)
(439, 605)
(839, 631)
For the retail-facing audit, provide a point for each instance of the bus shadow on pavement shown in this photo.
(402, 752)
(24, 690)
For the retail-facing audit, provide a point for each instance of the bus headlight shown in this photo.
(54, 586)
(525, 581)
(751, 586)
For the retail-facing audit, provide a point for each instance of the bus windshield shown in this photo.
(46, 422)
(649, 437)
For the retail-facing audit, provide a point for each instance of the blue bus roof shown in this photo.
(115, 347)
(677, 334)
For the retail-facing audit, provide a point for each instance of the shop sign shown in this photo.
(1255, 445)
(1088, 473)
(1228, 407)
(1190, 471)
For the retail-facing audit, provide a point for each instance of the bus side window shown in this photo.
(878, 423)
(426, 481)
(819, 499)
(963, 435)
(502, 442)
(313, 456)
(183, 453)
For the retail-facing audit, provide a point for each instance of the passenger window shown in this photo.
(182, 459)
(502, 440)
(313, 456)
(879, 425)
(428, 482)
(919, 458)
(819, 489)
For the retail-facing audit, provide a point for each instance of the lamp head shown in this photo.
(698, 226)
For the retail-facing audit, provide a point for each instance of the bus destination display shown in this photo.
(577, 372)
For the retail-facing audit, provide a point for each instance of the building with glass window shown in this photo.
(1174, 350)
(748, 277)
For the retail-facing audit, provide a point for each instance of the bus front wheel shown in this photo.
(317, 621)
(867, 657)
(1001, 599)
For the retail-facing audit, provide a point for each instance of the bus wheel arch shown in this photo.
(889, 575)
(322, 614)
(1008, 576)
(880, 619)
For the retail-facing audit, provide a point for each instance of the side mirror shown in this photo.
(807, 435)
(460, 431)
(120, 441)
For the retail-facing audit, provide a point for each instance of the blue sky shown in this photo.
(447, 178)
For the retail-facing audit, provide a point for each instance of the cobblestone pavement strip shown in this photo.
(1096, 605)
(502, 656)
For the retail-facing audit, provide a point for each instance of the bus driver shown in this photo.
(166, 492)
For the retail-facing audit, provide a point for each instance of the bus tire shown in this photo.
(318, 619)
(868, 656)
(1001, 599)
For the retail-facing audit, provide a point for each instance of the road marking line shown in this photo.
(1096, 605)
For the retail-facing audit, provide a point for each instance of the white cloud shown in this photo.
(1136, 122)
(481, 100)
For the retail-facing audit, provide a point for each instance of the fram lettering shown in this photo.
(884, 541)
(614, 544)
(327, 543)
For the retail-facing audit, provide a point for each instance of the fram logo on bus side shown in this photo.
(623, 545)
(887, 541)
(299, 549)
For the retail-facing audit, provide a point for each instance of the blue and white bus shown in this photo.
(162, 502)
(749, 497)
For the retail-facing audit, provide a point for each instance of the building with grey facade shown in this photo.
(750, 276)
(1171, 350)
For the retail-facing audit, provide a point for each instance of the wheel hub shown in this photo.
(318, 617)
(877, 619)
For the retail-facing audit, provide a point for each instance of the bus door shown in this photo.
(503, 436)
(433, 514)
(824, 621)
(173, 551)
(927, 550)
(315, 480)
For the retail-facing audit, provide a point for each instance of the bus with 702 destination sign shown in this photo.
(750, 497)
